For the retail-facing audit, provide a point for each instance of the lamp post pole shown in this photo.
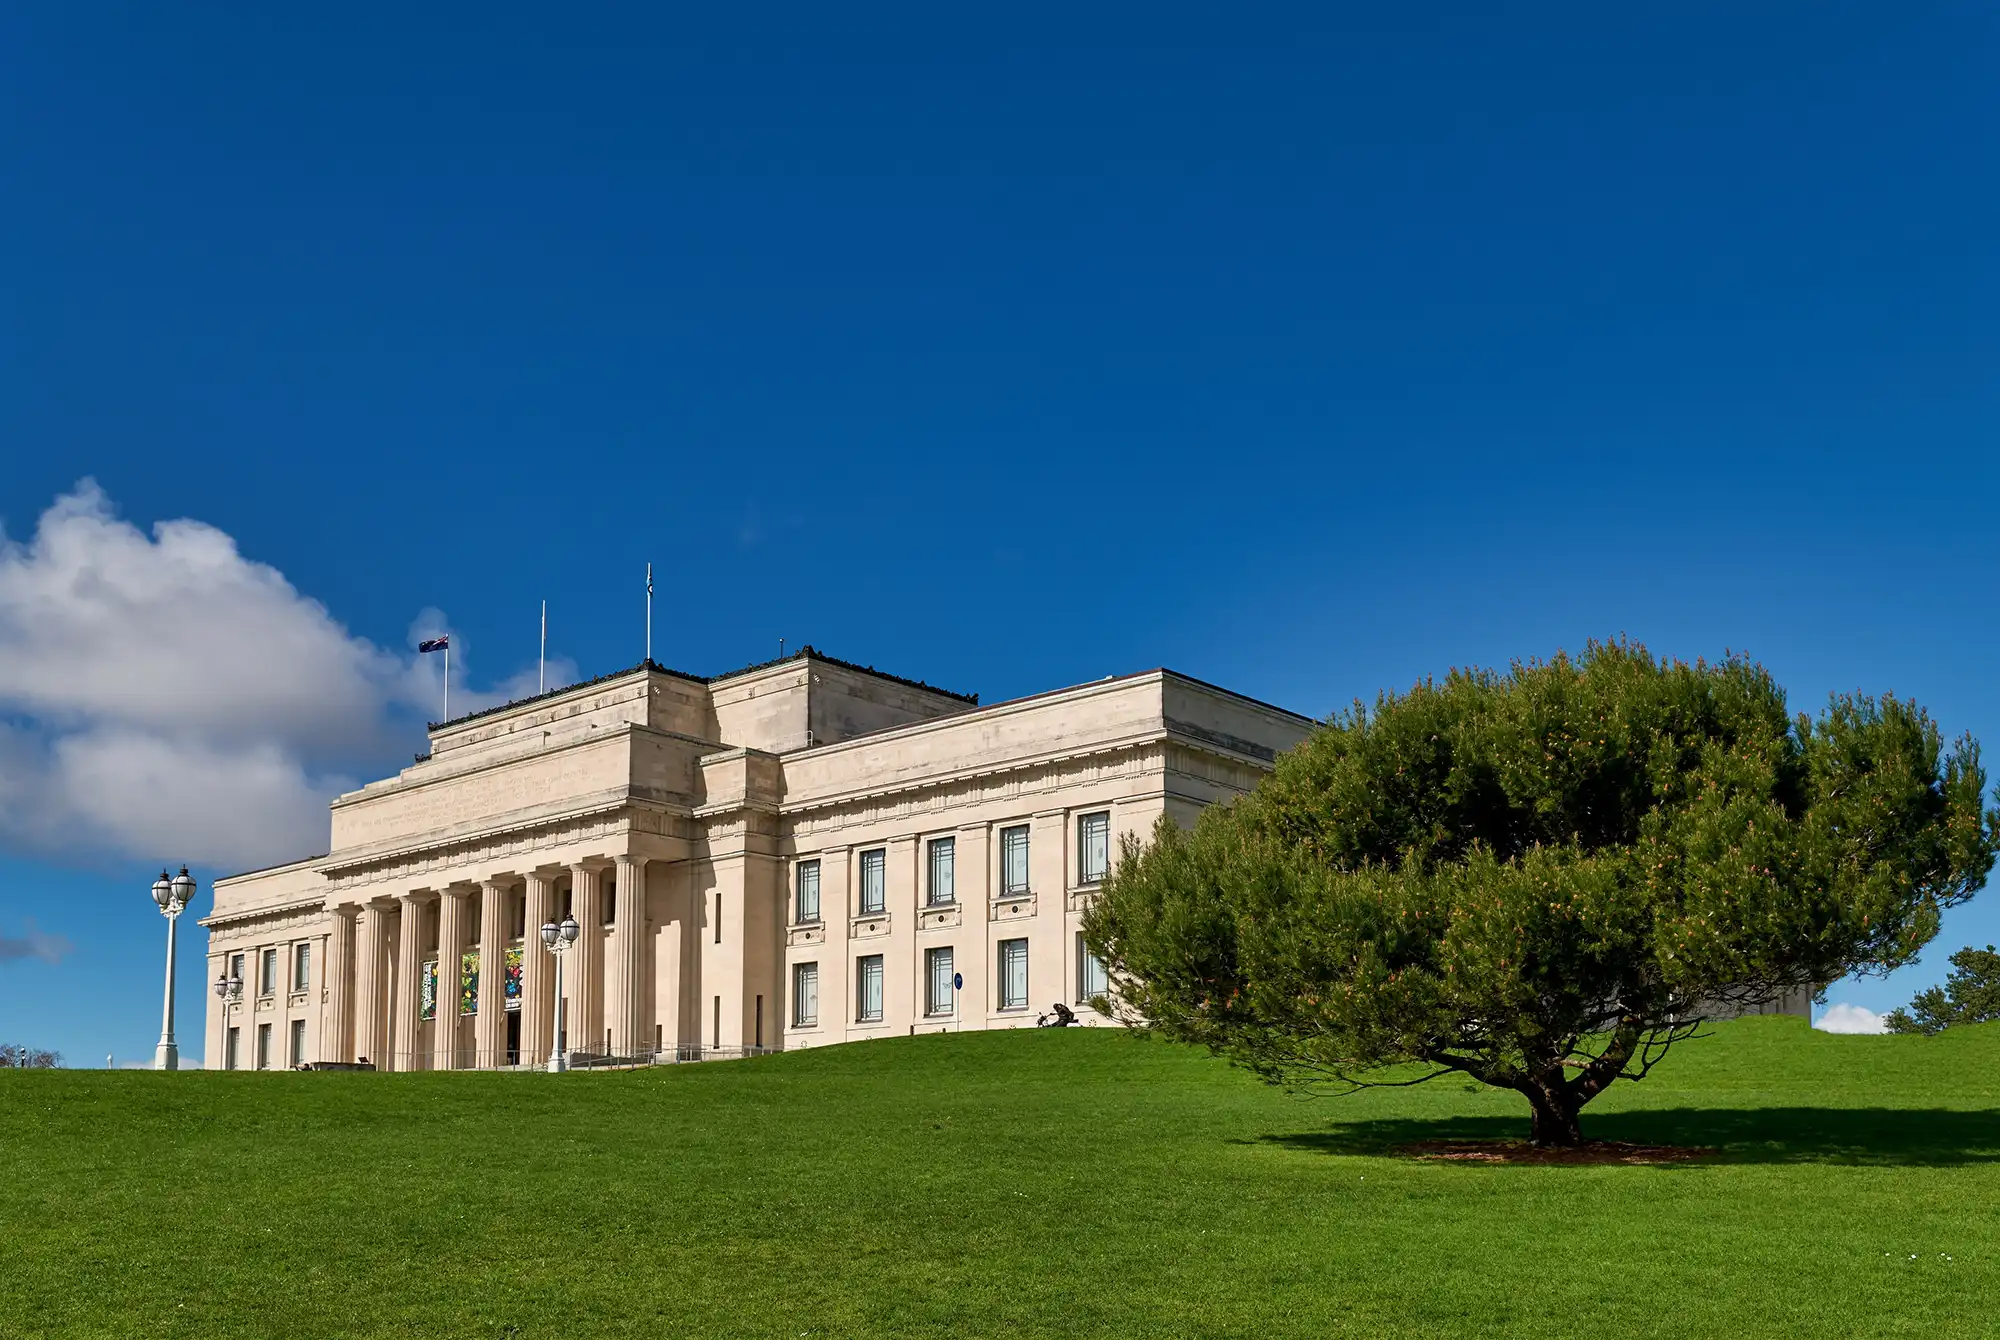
(557, 939)
(172, 896)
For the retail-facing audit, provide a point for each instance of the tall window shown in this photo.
(263, 1046)
(937, 981)
(1014, 859)
(231, 1046)
(1091, 979)
(808, 891)
(610, 901)
(805, 995)
(874, 881)
(1013, 974)
(301, 966)
(298, 1042)
(868, 989)
(267, 968)
(1093, 848)
(236, 966)
(942, 889)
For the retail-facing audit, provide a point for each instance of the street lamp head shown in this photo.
(549, 932)
(222, 988)
(235, 986)
(570, 929)
(163, 891)
(183, 887)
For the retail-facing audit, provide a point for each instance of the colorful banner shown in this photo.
(468, 982)
(511, 960)
(427, 991)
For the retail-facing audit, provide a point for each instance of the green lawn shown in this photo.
(1025, 1183)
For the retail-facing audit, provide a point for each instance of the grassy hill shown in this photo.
(1026, 1183)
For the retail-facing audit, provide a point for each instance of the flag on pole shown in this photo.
(442, 644)
(436, 644)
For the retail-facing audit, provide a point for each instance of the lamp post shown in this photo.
(228, 990)
(172, 896)
(556, 939)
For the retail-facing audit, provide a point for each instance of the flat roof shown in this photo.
(805, 653)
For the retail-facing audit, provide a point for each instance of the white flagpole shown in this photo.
(542, 668)
(447, 681)
(649, 614)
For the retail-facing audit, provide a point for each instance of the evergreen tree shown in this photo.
(1971, 995)
(1544, 879)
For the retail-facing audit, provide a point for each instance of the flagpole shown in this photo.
(542, 666)
(649, 614)
(447, 681)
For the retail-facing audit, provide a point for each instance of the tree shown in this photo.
(1971, 995)
(14, 1056)
(1545, 879)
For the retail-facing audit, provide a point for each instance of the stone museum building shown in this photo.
(799, 853)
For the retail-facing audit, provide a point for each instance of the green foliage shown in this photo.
(1544, 879)
(1970, 995)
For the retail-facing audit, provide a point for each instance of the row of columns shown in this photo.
(378, 1016)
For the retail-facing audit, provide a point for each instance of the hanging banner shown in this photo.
(511, 960)
(427, 991)
(468, 982)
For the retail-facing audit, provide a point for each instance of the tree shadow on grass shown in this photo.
(1859, 1136)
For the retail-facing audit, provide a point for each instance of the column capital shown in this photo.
(345, 911)
(457, 892)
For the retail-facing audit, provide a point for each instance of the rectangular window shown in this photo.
(263, 1046)
(267, 969)
(236, 966)
(805, 995)
(301, 966)
(874, 881)
(868, 989)
(1013, 974)
(1093, 848)
(943, 888)
(231, 1049)
(1014, 860)
(1091, 979)
(718, 921)
(808, 891)
(717, 1044)
(298, 1042)
(937, 981)
(610, 901)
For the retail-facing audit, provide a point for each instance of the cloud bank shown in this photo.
(1844, 1018)
(164, 697)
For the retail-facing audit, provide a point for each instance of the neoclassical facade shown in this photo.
(795, 854)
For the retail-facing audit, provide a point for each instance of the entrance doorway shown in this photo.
(513, 1037)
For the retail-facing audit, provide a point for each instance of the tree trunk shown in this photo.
(1555, 1111)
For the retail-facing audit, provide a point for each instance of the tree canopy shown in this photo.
(1545, 878)
(1970, 995)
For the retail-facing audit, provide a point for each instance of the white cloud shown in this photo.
(165, 697)
(1845, 1018)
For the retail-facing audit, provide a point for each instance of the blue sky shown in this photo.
(1306, 351)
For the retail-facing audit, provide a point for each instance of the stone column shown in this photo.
(451, 950)
(538, 975)
(371, 987)
(627, 1009)
(338, 1043)
(403, 1021)
(489, 1024)
(585, 968)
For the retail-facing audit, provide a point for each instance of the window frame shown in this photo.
(296, 1045)
(267, 972)
(947, 847)
(232, 1047)
(801, 972)
(1008, 835)
(1085, 961)
(933, 984)
(881, 869)
(1005, 948)
(861, 971)
(1084, 878)
(302, 966)
(798, 893)
(263, 1046)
